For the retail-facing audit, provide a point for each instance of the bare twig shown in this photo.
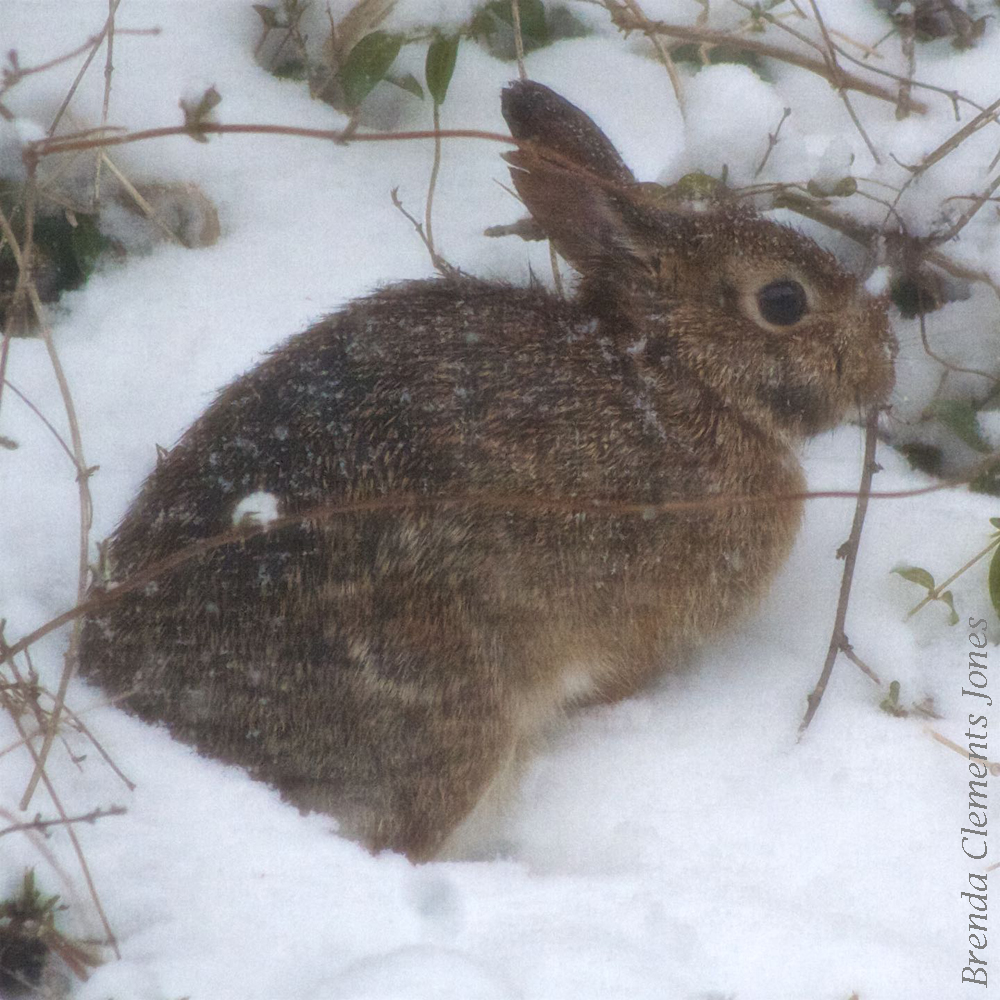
(416, 502)
(14, 75)
(968, 214)
(952, 95)
(661, 50)
(49, 147)
(848, 651)
(41, 416)
(23, 257)
(838, 639)
(432, 183)
(772, 141)
(515, 16)
(943, 361)
(993, 766)
(94, 48)
(42, 825)
(74, 840)
(436, 259)
(907, 38)
(837, 79)
(750, 44)
(108, 70)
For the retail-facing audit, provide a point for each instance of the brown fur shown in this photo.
(387, 667)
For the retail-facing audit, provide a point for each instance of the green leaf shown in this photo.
(291, 69)
(367, 64)
(995, 521)
(87, 243)
(440, 65)
(534, 28)
(890, 703)
(994, 581)
(842, 188)
(960, 418)
(949, 600)
(409, 83)
(916, 575)
(692, 55)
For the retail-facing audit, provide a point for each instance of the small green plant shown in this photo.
(890, 703)
(922, 578)
(937, 592)
(27, 934)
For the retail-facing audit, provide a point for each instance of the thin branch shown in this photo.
(82, 472)
(432, 183)
(42, 825)
(838, 639)
(436, 259)
(708, 36)
(74, 840)
(416, 502)
(50, 147)
(944, 362)
(772, 141)
(952, 95)
(661, 50)
(94, 48)
(41, 416)
(12, 77)
(967, 216)
(837, 79)
(515, 12)
(108, 70)
(848, 651)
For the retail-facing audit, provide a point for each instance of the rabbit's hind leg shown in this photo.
(402, 762)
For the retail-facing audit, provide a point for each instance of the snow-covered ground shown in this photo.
(680, 844)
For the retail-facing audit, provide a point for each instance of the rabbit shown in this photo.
(506, 459)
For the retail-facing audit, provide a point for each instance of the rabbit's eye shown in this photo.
(782, 302)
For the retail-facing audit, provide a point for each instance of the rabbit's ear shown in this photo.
(572, 180)
(538, 115)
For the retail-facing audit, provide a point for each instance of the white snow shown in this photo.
(681, 844)
(256, 508)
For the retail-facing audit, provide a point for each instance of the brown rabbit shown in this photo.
(390, 666)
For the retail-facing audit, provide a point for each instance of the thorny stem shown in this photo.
(838, 639)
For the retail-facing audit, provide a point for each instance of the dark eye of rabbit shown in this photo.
(782, 302)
